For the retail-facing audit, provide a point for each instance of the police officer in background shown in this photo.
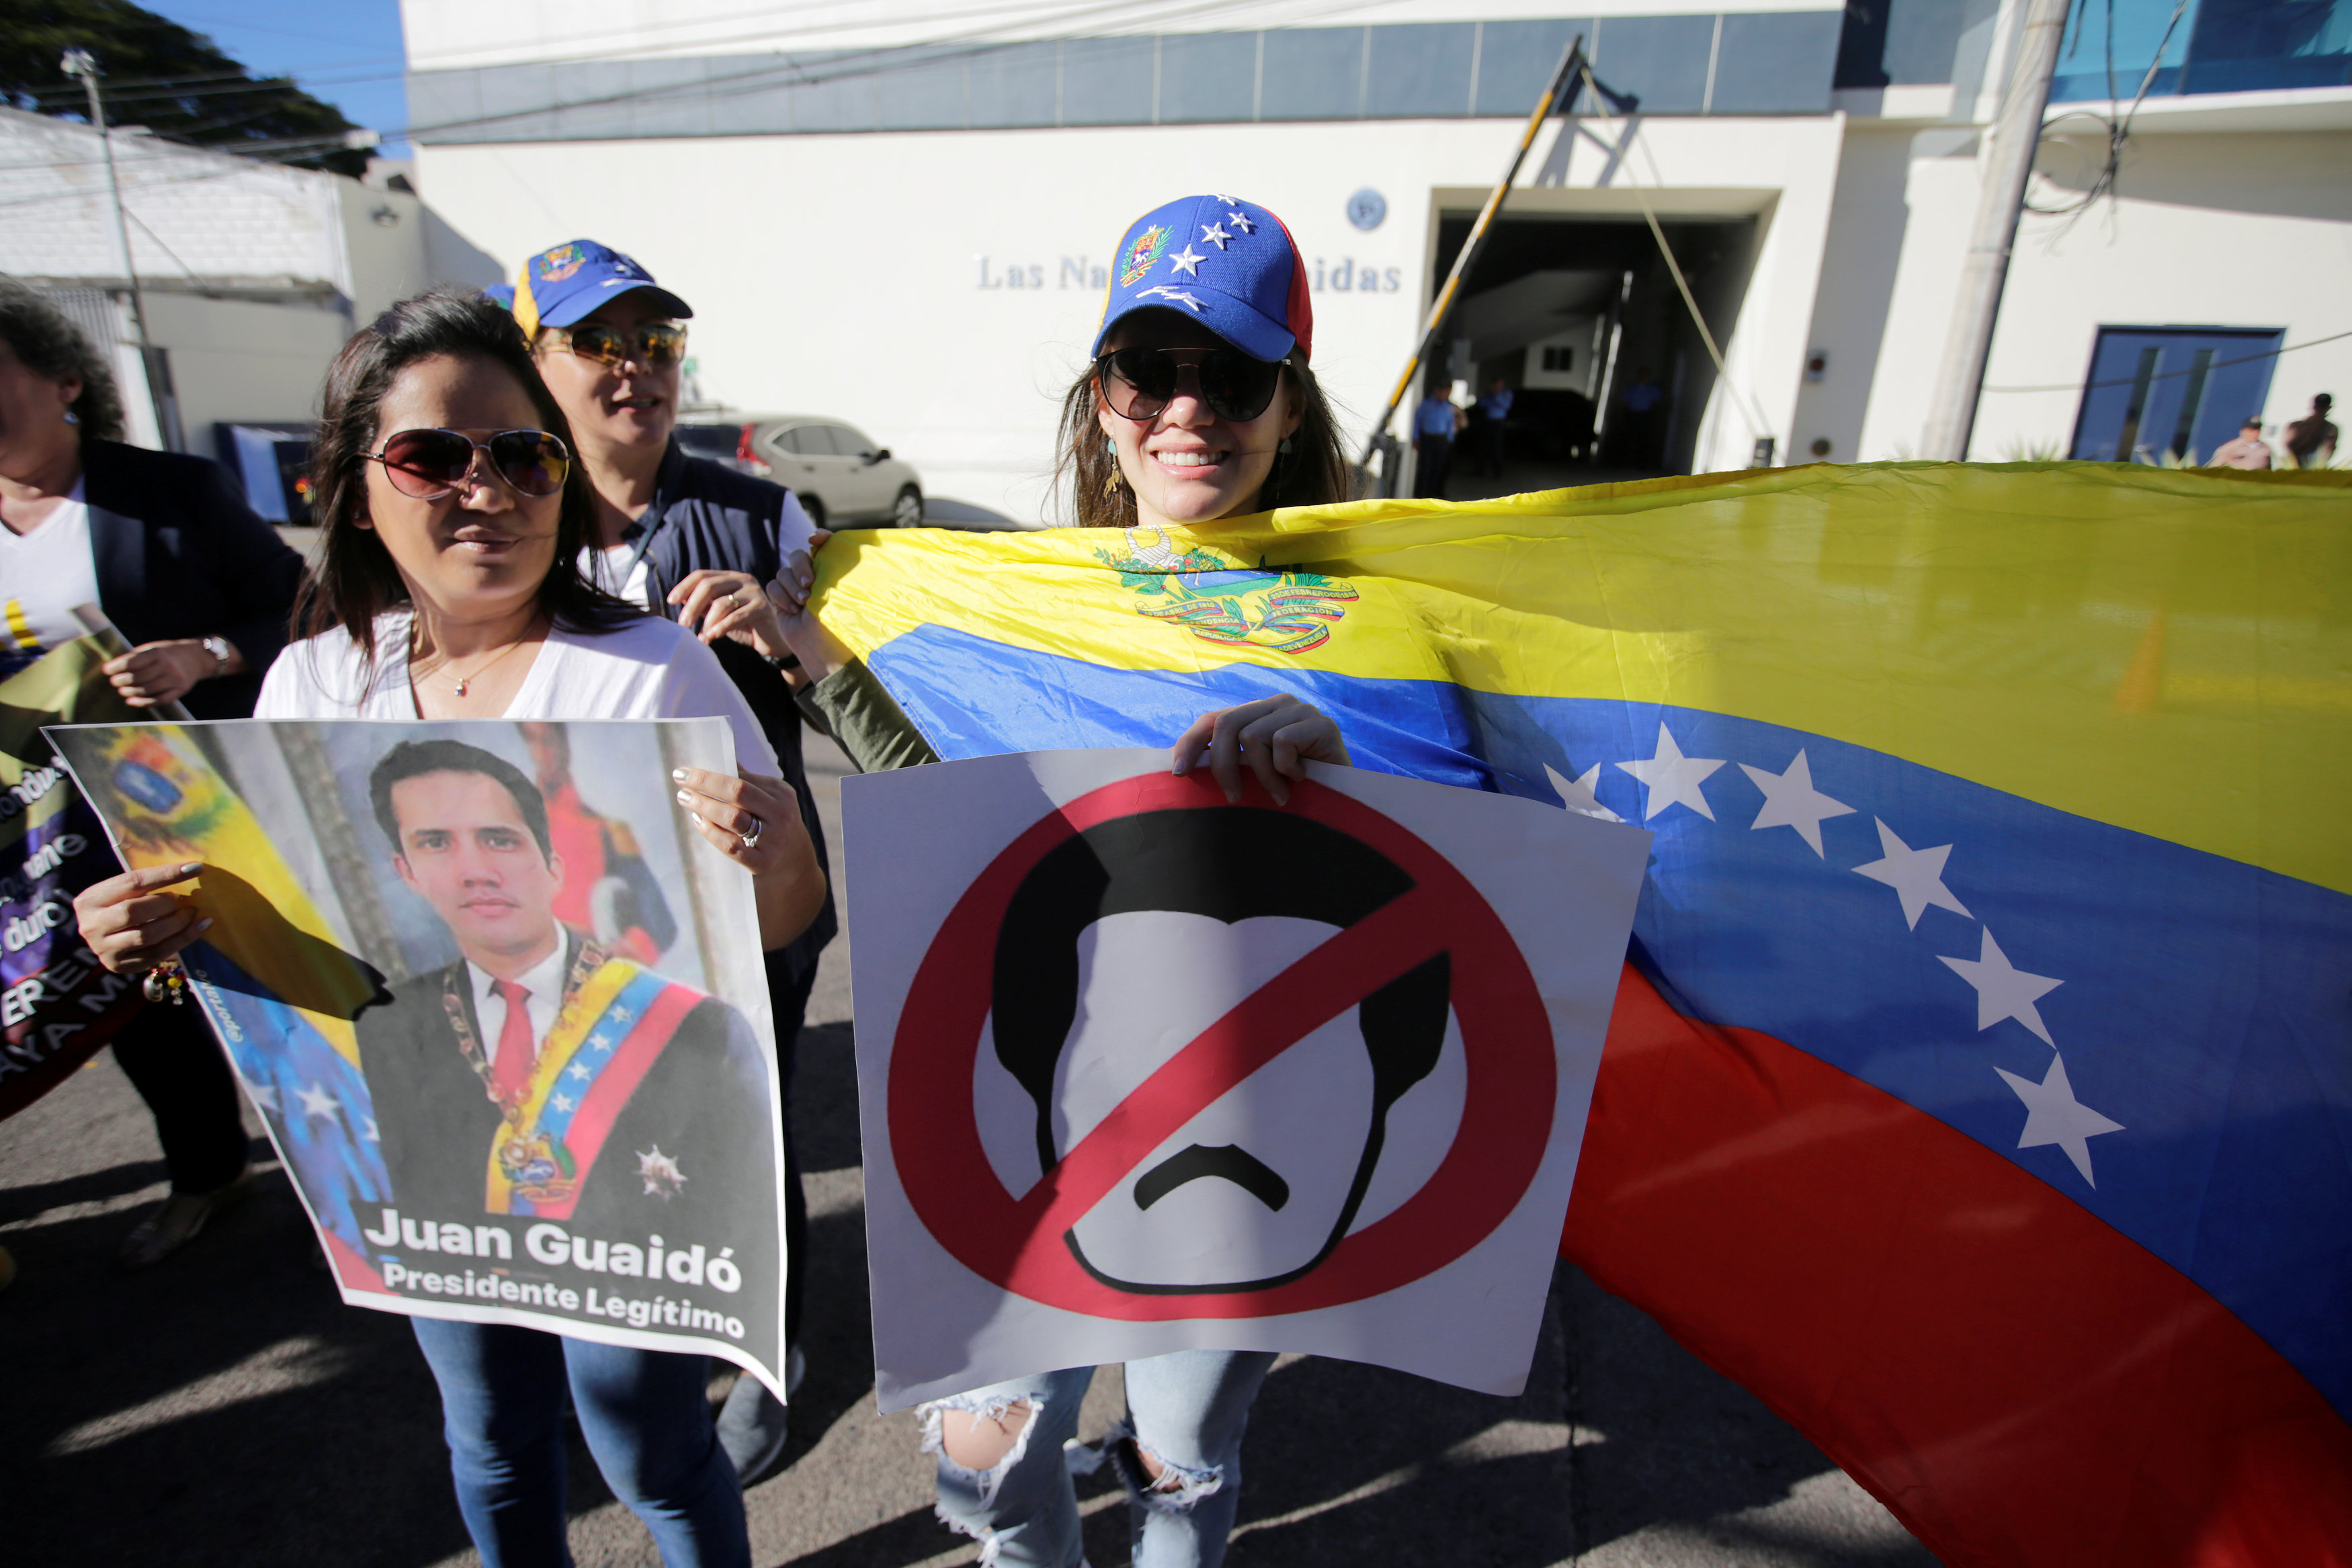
(695, 539)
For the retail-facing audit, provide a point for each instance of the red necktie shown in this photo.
(510, 1073)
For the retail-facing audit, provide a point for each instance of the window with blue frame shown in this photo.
(2202, 46)
(2180, 391)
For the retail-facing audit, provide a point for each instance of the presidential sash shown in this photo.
(611, 1030)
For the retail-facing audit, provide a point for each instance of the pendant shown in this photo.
(165, 982)
(461, 688)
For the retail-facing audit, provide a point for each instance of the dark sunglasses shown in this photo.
(427, 465)
(1140, 383)
(655, 343)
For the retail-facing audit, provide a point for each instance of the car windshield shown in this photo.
(712, 440)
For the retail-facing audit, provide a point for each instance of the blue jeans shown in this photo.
(1188, 1410)
(643, 1412)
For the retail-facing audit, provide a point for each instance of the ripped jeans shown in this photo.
(1187, 1409)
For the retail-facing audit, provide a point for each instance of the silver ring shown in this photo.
(752, 838)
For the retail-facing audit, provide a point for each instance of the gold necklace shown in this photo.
(463, 681)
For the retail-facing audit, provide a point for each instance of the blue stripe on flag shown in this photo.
(596, 1052)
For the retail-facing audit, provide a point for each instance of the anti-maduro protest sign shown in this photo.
(1145, 1069)
(57, 1006)
(500, 1006)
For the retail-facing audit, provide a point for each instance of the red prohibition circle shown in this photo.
(1018, 1242)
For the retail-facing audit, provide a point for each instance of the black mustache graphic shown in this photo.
(1237, 1165)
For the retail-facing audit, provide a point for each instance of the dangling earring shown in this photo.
(72, 418)
(1284, 450)
(1114, 479)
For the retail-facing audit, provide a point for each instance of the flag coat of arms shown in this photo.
(1979, 1090)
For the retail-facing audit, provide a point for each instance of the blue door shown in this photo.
(2178, 390)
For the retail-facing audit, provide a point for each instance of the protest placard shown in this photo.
(58, 1006)
(500, 1006)
(1144, 1070)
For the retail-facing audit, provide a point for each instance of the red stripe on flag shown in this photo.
(353, 1271)
(2018, 1382)
(633, 1058)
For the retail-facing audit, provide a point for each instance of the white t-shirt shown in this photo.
(619, 569)
(648, 668)
(44, 576)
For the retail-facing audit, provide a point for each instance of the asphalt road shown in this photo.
(225, 1409)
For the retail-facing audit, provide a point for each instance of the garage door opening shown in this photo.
(1578, 316)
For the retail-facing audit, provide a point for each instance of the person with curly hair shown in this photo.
(201, 589)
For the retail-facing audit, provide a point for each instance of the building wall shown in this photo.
(940, 290)
(254, 274)
(195, 216)
(2227, 229)
(939, 287)
(239, 362)
(2221, 228)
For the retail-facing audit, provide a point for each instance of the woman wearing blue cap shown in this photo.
(1198, 405)
(684, 536)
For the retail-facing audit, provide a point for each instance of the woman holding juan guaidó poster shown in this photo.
(450, 589)
(1198, 405)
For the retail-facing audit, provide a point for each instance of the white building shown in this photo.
(252, 274)
(900, 216)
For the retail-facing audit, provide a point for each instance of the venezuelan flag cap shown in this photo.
(1228, 263)
(565, 283)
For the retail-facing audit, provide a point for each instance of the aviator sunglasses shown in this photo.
(1140, 383)
(653, 343)
(427, 465)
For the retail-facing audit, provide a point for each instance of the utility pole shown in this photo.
(152, 361)
(2016, 135)
(79, 63)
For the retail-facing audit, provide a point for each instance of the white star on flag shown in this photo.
(1791, 801)
(563, 1101)
(1916, 875)
(1215, 235)
(1220, 196)
(317, 1102)
(1176, 294)
(263, 1096)
(577, 1070)
(2052, 1114)
(1187, 261)
(2003, 990)
(369, 1132)
(1577, 794)
(1239, 219)
(600, 1043)
(1673, 777)
(620, 1015)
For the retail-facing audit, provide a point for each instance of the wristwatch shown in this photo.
(218, 648)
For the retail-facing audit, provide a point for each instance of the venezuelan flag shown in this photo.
(278, 989)
(1980, 1088)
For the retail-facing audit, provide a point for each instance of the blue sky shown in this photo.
(347, 52)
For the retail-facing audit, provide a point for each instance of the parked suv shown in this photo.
(843, 478)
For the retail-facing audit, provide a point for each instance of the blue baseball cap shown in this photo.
(565, 283)
(1230, 263)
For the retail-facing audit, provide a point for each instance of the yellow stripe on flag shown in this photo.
(2163, 650)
